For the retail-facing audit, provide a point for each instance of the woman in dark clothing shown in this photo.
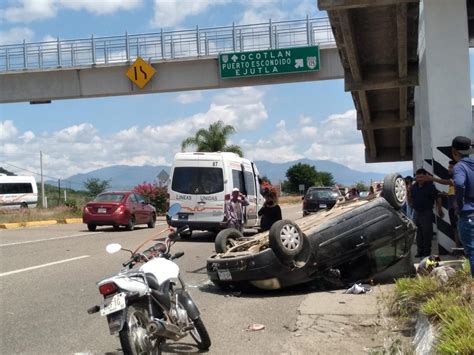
(270, 212)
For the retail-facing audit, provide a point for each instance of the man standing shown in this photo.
(424, 195)
(234, 211)
(463, 175)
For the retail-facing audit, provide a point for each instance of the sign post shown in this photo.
(269, 62)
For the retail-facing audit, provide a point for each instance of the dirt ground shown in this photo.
(337, 323)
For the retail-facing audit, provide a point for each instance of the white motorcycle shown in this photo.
(150, 304)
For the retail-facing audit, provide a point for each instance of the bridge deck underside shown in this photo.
(377, 43)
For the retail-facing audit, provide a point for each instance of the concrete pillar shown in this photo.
(443, 98)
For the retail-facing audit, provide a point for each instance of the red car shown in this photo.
(118, 209)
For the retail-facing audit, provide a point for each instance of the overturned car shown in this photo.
(355, 241)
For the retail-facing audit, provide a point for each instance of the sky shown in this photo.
(277, 123)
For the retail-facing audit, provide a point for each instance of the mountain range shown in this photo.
(124, 177)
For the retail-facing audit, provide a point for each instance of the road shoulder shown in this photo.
(338, 323)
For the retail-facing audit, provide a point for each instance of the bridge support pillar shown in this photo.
(443, 97)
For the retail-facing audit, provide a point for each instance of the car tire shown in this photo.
(152, 222)
(131, 223)
(226, 239)
(91, 227)
(286, 240)
(394, 190)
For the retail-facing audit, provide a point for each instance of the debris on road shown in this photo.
(255, 327)
(358, 289)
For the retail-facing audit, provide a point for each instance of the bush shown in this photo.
(449, 305)
(154, 194)
(72, 204)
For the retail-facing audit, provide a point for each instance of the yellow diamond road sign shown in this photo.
(140, 72)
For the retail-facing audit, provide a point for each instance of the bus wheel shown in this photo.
(23, 205)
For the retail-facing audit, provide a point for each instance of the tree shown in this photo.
(96, 186)
(154, 194)
(325, 179)
(300, 174)
(361, 186)
(213, 139)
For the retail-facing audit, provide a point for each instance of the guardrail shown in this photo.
(165, 45)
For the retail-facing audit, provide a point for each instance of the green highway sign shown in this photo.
(269, 62)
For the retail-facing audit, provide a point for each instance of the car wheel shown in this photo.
(152, 222)
(91, 227)
(226, 239)
(286, 240)
(394, 190)
(131, 224)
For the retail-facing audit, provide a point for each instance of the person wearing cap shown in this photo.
(463, 176)
(234, 211)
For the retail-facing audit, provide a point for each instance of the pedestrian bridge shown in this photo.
(184, 60)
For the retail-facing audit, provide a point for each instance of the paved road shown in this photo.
(47, 281)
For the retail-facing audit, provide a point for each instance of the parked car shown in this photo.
(357, 240)
(320, 198)
(117, 209)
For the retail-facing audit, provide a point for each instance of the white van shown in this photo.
(18, 191)
(201, 183)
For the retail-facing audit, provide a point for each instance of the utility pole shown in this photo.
(43, 202)
(59, 192)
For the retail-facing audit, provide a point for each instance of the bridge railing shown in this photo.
(165, 45)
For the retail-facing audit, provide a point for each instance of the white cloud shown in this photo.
(83, 133)
(8, 131)
(102, 7)
(29, 10)
(169, 13)
(26, 11)
(16, 35)
(272, 154)
(81, 147)
(305, 120)
(28, 136)
(260, 11)
(189, 97)
(281, 124)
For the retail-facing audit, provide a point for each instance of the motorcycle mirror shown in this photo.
(174, 209)
(113, 248)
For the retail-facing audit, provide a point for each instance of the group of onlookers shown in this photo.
(422, 196)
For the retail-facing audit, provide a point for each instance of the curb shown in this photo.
(51, 222)
(39, 223)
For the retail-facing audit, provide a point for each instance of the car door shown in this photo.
(133, 207)
(143, 208)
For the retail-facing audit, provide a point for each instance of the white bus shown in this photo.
(18, 191)
(202, 182)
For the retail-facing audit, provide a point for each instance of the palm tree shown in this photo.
(213, 139)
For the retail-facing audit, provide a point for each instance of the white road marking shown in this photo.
(44, 240)
(57, 238)
(43, 265)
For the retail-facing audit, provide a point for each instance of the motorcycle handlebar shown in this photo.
(177, 255)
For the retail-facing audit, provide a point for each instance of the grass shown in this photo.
(38, 214)
(450, 306)
(284, 200)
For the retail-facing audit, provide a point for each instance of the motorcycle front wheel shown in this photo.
(133, 336)
(200, 334)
